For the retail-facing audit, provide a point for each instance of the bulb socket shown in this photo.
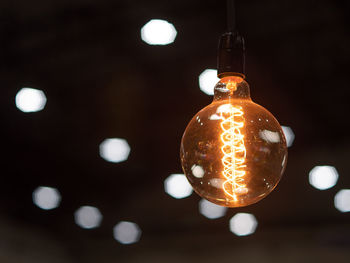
(231, 57)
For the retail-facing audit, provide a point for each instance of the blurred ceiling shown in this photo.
(101, 80)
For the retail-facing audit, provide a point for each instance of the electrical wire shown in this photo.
(231, 16)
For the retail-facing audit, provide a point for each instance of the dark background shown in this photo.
(101, 80)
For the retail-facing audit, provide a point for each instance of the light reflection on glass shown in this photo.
(217, 182)
(197, 171)
(225, 108)
(214, 117)
(269, 136)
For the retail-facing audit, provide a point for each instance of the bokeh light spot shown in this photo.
(207, 81)
(210, 210)
(323, 177)
(114, 150)
(158, 32)
(289, 134)
(127, 232)
(177, 186)
(46, 197)
(88, 217)
(342, 200)
(243, 224)
(30, 100)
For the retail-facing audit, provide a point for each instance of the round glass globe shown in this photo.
(233, 151)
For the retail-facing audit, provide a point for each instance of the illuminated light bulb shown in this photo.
(233, 151)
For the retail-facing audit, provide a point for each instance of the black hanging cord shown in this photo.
(231, 16)
(231, 60)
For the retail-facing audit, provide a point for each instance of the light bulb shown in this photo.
(238, 146)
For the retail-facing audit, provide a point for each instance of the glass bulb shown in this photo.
(233, 151)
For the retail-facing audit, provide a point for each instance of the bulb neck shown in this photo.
(231, 57)
(232, 87)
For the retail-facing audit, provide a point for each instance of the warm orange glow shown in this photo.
(233, 149)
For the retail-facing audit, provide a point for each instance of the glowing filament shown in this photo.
(234, 151)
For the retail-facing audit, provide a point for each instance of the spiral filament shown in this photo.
(234, 151)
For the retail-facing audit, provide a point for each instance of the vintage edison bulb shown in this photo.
(233, 151)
